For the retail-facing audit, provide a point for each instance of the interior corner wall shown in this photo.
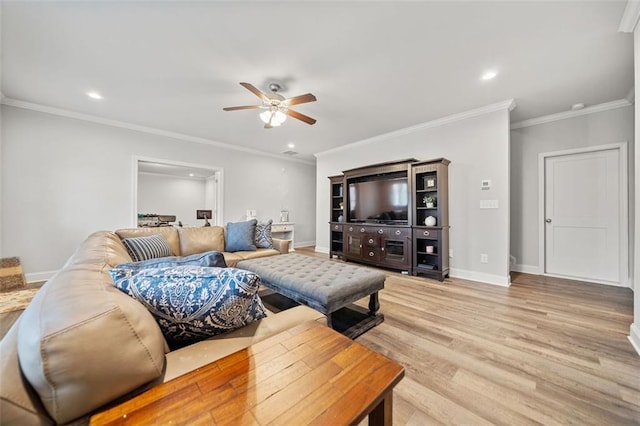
(478, 149)
(65, 178)
(601, 128)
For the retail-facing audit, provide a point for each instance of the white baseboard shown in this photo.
(527, 269)
(481, 277)
(39, 276)
(324, 250)
(634, 336)
(304, 244)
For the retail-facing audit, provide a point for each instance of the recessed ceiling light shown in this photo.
(488, 75)
(191, 175)
(578, 106)
(94, 95)
(291, 145)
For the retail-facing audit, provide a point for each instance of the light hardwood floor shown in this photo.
(544, 351)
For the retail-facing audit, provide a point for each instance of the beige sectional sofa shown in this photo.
(82, 344)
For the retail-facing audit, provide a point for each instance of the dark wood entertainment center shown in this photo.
(378, 216)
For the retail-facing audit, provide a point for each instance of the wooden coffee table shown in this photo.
(309, 374)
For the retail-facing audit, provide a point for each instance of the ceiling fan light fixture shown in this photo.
(273, 118)
(489, 75)
(275, 107)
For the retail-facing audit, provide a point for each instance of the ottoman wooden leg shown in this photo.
(374, 304)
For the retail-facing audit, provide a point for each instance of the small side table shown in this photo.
(284, 231)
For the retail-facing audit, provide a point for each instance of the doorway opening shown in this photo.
(171, 193)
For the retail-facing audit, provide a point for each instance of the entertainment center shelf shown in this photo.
(393, 215)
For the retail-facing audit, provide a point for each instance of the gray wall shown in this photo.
(601, 128)
(172, 195)
(63, 178)
(478, 148)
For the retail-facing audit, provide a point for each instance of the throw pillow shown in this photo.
(240, 236)
(263, 234)
(143, 248)
(191, 303)
(209, 258)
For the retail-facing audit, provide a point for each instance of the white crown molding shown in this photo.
(144, 129)
(630, 17)
(621, 103)
(508, 105)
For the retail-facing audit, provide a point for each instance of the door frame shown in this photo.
(623, 177)
(215, 171)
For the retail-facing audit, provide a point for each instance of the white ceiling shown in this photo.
(375, 67)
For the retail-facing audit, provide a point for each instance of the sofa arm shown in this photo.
(281, 245)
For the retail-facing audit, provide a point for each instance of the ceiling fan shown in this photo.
(275, 106)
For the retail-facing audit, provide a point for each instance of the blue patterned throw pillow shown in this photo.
(263, 234)
(240, 236)
(191, 303)
(208, 258)
(144, 248)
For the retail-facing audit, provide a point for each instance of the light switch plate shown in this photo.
(488, 204)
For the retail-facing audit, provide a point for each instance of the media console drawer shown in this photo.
(432, 234)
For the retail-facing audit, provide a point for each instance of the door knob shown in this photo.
(548, 220)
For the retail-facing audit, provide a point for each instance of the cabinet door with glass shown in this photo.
(354, 245)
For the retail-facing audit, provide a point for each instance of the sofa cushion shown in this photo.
(168, 232)
(240, 236)
(144, 248)
(82, 343)
(255, 254)
(100, 248)
(191, 303)
(231, 259)
(263, 234)
(197, 240)
(19, 403)
(209, 258)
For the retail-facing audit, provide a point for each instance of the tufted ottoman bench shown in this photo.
(324, 285)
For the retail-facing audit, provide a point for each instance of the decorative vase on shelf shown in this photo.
(430, 221)
(429, 202)
(340, 218)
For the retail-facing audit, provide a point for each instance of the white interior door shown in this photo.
(582, 216)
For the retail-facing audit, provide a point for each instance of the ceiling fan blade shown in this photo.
(241, 107)
(301, 117)
(302, 99)
(255, 91)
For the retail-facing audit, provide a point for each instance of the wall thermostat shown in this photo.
(485, 184)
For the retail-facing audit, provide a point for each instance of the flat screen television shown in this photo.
(379, 199)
